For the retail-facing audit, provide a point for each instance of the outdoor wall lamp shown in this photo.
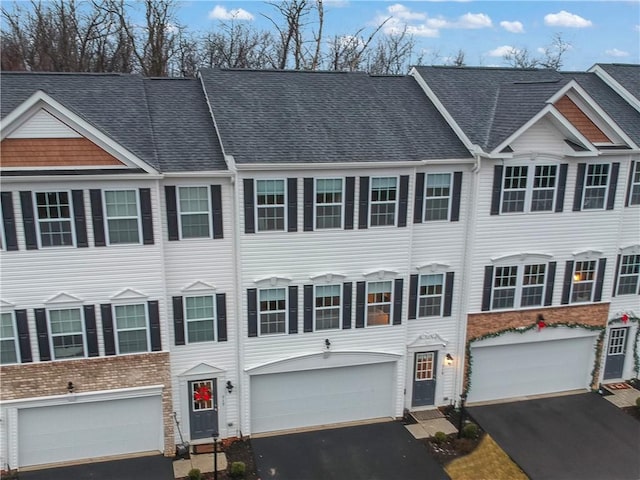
(448, 360)
(229, 386)
(70, 387)
(327, 343)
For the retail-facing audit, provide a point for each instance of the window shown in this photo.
(8, 349)
(518, 286)
(629, 274)
(131, 328)
(54, 219)
(383, 201)
(584, 275)
(524, 191)
(194, 211)
(430, 295)
(273, 311)
(438, 196)
(67, 333)
(329, 203)
(200, 318)
(634, 198)
(595, 186)
(544, 185)
(122, 215)
(270, 203)
(378, 303)
(327, 306)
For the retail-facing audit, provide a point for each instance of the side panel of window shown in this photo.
(397, 301)
(455, 198)
(349, 201)
(293, 309)
(308, 308)
(24, 340)
(347, 287)
(107, 329)
(486, 290)
(597, 293)
(360, 303)
(562, 185)
(154, 325)
(551, 278)
(9, 221)
(419, 198)
(633, 187)
(252, 311)
(221, 310)
(91, 330)
(363, 209)
(496, 191)
(79, 218)
(448, 294)
(613, 185)
(249, 208)
(308, 204)
(404, 200)
(577, 198)
(43, 334)
(97, 218)
(292, 205)
(566, 284)
(178, 320)
(172, 212)
(413, 296)
(28, 220)
(147, 216)
(216, 209)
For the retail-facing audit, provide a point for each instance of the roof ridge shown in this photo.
(492, 115)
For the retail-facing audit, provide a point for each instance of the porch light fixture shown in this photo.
(70, 387)
(327, 343)
(448, 360)
(229, 386)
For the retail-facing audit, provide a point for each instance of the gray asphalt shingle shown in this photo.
(627, 75)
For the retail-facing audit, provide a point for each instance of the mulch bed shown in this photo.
(238, 451)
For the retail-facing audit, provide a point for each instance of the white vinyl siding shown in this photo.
(379, 301)
(132, 328)
(270, 204)
(438, 196)
(629, 274)
(66, 328)
(199, 315)
(194, 212)
(529, 189)
(122, 216)
(273, 311)
(584, 277)
(596, 184)
(384, 193)
(430, 295)
(8, 340)
(328, 203)
(327, 306)
(517, 286)
(54, 218)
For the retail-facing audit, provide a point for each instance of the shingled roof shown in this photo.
(323, 117)
(627, 75)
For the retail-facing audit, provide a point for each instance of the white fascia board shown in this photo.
(200, 174)
(55, 178)
(348, 165)
(443, 111)
(41, 100)
(617, 87)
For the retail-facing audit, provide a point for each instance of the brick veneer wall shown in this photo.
(43, 379)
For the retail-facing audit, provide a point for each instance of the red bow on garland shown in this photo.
(625, 318)
(541, 323)
(202, 394)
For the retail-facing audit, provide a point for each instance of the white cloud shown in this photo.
(474, 20)
(221, 13)
(513, 27)
(614, 52)
(403, 13)
(566, 19)
(400, 17)
(502, 51)
(637, 28)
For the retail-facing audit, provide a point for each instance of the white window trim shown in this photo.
(116, 330)
(37, 219)
(367, 304)
(16, 344)
(636, 170)
(371, 203)
(316, 204)
(208, 212)
(286, 311)
(315, 308)
(519, 286)
(621, 275)
(449, 197)
(106, 216)
(186, 321)
(258, 207)
(529, 188)
(606, 189)
(444, 286)
(51, 335)
(593, 282)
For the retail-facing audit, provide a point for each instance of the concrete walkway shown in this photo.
(622, 397)
(428, 423)
(202, 461)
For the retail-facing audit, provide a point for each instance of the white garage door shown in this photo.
(533, 368)
(317, 397)
(76, 431)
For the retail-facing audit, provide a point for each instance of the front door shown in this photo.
(203, 412)
(616, 350)
(424, 379)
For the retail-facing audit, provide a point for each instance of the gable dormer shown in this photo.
(580, 120)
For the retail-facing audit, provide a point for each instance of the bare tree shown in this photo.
(552, 56)
(391, 54)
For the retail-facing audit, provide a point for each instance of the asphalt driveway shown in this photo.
(375, 451)
(579, 437)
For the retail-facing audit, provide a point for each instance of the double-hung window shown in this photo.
(199, 315)
(584, 278)
(327, 306)
(517, 286)
(270, 202)
(132, 328)
(529, 189)
(634, 187)
(596, 184)
(379, 299)
(328, 203)
(629, 274)
(430, 293)
(194, 212)
(438, 196)
(273, 310)
(67, 333)
(384, 192)
(8, 340)
(54, 218)
(122, 216)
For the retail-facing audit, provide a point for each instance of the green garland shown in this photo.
(636, 354)
(498, 333)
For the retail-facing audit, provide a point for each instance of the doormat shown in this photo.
(617, 386)
(204, 448)
(423, 415)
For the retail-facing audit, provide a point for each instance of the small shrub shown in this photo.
(439, 438)
(470, 430)
(638, 402)
(237, 470)
(195, 474)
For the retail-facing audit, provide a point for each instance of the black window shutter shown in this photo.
(615, 277)
(486, 289)
(360, 303)
(97, 218)
(147, 216)
(28, 220)
(496, 191)
(178, 321)
(562, 185)
(455, 198)
(79, 218)
(627, 198)
(550, 281)
(249, 211)
(172, 212)
(419, 198)
(397, 301)
(613, 184)
(91, 330)
(23, 336)
(308, 308)
(221, 307)
(107, 329)
(566, 284)
(448, 294)
(9, 221)
(252, 311)
(216, 207)
(349, 200)
(577, 197)
(293, 309)
(308, 204)
(347, 288)
(154, 324)
(292, 204)
(597, 294)
(363, 209)
(43, 334)
(404, 200)
(413, 296)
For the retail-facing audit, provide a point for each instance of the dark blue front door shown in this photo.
(203, 412)
(616, 350)
(424, 379)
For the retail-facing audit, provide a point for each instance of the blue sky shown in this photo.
(598, 31)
